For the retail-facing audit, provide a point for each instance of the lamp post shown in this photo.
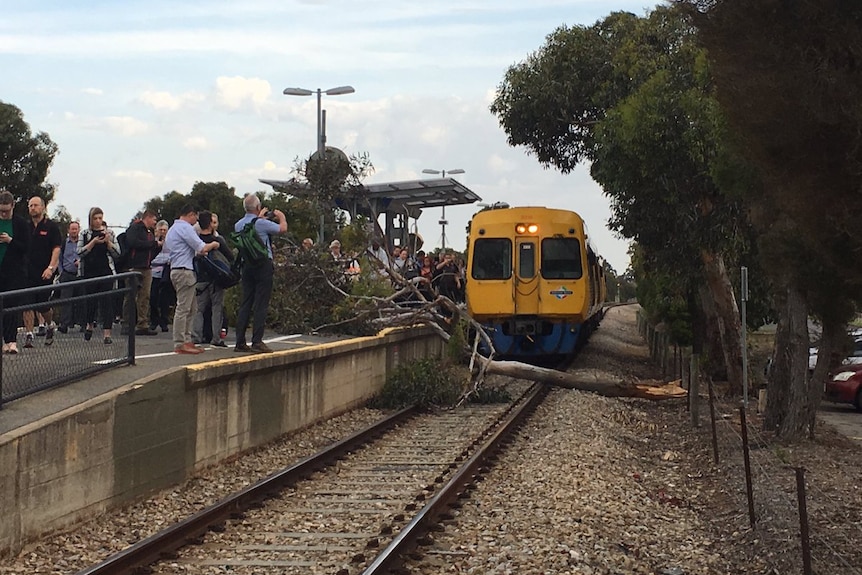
(321, 130)
(443, 221)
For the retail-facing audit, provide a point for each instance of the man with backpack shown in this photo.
(257, 270)
(141, 246)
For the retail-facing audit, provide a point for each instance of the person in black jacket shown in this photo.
(142, 246)
(14, 245)
(210, 297)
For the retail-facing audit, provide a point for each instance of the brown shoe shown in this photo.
(242, 347)
(188, 348)
(260, 348)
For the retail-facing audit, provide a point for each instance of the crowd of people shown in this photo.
(34, 253)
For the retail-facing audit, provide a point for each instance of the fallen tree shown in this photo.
(593, 380)
(408, 306)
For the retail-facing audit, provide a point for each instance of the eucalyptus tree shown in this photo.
(632, 96)
(787, 76)
(25, 158)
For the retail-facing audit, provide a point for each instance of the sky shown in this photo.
(144, 98)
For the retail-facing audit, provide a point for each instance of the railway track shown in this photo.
(359, 506)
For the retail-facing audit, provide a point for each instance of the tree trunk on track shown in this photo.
(595, 381)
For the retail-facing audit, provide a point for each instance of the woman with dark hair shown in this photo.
(97, 249)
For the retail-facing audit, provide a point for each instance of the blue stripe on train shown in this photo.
(562, 340)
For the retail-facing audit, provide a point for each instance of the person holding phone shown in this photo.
(97, 249)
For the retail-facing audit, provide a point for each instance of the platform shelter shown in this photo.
(397, 201)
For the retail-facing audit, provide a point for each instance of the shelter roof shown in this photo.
(409, 196)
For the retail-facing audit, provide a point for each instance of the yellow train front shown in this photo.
(534, 281)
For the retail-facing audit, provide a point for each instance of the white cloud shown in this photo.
(167, 101)
(138, 175)
(93, 91)
(236, 92)
(196, 143)
(125, 125)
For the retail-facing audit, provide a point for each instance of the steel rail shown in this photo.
(408, 538)
(169, 540)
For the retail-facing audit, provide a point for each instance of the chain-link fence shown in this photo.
(42, 362)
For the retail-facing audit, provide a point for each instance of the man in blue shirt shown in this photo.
(71, 313)
(256, 278)
(183, 243)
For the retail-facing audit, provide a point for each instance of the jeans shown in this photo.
(210, 299)
(256, 292)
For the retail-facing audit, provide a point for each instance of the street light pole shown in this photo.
(443, 221)
(321, 136)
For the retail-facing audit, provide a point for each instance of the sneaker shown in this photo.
(5, 348)
(63, 329)
(108, 340)
(13, 348)
(41, 331)
(260, 347)
(88, 334)
(164, 329)
(49, 336)
(28, 340)
(242, 347)
(188, 348)
(218, 343)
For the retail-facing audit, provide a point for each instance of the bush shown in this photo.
(425, 382)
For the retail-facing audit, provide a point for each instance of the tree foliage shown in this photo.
(787, 78)
(25, 158)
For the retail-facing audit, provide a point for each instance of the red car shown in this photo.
(846, 386)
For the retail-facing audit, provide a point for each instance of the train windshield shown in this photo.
(561, 259)
(492, 259)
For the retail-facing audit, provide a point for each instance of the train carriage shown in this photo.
(534, 280)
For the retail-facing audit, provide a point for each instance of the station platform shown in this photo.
(153, 353)
(107, 440)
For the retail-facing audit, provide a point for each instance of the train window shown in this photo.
(561, 259)
(492, 259)
(526, 260)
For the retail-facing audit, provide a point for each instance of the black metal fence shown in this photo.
(69, 357)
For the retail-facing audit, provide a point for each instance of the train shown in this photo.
(534, 280)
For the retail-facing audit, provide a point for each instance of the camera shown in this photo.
(271, 217)
(99, 234)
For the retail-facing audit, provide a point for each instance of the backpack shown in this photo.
(215, 268)
(251, 249)
(122, 262)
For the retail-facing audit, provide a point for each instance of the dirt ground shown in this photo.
(830, 465)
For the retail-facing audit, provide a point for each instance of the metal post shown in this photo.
(744, 298)
(749, 490)
(321, 157)
(443, 220)
(131, 313)
(803, 521)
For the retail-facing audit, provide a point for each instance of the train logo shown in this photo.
(561, 293)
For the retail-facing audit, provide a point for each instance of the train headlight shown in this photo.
(526, 228)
